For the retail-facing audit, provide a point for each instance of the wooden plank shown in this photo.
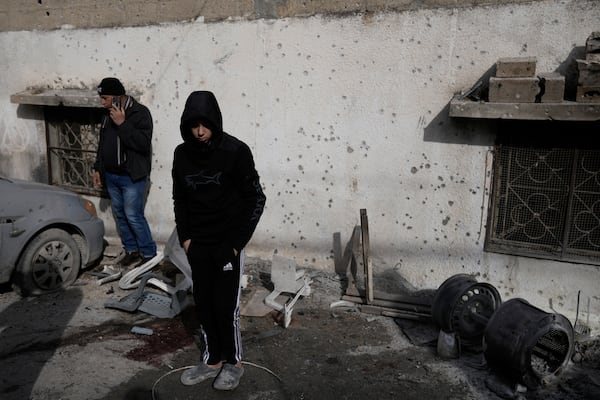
(395, 305)
(350, 260)
(389, 312)
(364, 225)
(563, 111)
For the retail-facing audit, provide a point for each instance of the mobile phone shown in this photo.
(116, 102)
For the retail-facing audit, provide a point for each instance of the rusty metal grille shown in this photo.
(546, 203)
(72, 143)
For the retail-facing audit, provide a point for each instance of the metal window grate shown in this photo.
(546, 203)
(584, 229)
(72, 143)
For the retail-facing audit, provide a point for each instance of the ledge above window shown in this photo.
(564, 111)
(58, 97)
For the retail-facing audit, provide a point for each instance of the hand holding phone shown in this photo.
(117, 114)
(116, 101)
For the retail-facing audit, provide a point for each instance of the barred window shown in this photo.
(72, 137)
(545, 199)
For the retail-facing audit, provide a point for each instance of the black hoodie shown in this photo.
(217, 195)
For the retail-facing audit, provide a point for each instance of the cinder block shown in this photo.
(594, 57)
(552, 86)
(592, 44)
(589, 73)
(516, 67)
(588, 94)
(513, 90)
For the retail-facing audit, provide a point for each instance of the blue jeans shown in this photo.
(128, 201)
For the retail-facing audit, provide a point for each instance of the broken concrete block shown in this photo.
(593, 57)
(589, 73)
(513, 90)
(516, 67)
(588, 94)
(592, 44)
(552, 87)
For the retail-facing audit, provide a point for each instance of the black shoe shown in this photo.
(146, 259)
(129, 259)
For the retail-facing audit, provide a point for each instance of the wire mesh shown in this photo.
(547, 201)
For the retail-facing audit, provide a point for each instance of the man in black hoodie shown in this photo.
(218, 202)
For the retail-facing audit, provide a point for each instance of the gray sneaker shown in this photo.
(229, 377)
(198, 374)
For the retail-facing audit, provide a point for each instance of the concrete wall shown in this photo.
(18, 15)
(342, 113)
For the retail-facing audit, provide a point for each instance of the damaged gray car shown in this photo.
(47, 235)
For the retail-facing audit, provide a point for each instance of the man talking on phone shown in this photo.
(123, 163)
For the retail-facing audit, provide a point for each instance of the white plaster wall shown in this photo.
(342, 114)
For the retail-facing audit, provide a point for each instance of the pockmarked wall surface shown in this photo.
(342, 113)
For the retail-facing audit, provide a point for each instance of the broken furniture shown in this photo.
(286, 279)
(162, 306)
(461, 305)
(369, 300)
(172, 252)
(132, 278)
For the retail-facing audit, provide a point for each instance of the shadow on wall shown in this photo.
(482, 132)
(30, 333)
(30, 112)
(568, 69)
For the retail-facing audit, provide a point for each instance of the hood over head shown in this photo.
(201, 107)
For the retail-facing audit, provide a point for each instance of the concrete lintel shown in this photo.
(58, 97)
(563, 111)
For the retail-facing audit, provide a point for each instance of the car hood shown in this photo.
(28, 185)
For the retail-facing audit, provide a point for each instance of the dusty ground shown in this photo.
(69, 346)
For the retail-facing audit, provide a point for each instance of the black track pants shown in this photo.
(217, 297)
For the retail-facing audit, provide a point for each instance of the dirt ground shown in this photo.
(69, 346)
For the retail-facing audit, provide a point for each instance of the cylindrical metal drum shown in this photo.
(527, 344)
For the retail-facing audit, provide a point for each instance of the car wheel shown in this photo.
(50, 262)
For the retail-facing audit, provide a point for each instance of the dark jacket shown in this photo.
(217, 196)
(135, 136)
